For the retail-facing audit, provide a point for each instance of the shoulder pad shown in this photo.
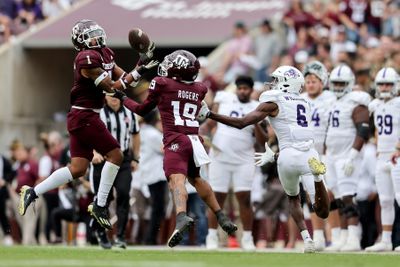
(223, 97)
(270, 96)
(373, 105)
(89, 59)
(359, 97)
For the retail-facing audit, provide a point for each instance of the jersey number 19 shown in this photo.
(189, 114)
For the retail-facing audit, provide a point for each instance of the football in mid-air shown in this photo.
(139, 40)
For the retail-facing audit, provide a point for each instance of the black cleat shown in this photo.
(27, 196)
(103, 239)
(120, 243)
(226, 224)
(100, 214)
(183, 224)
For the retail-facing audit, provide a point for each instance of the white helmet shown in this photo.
(341, 74)
(318, 69)
(287, 79)
(387, 76)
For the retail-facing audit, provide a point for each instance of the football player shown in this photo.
(316, 77)
(95, 73)
(178, 98)
(290, 115)
(348, 129)
(386, 111)
(233, 164)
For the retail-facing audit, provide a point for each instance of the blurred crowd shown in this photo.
(17, 16)
(364, 34)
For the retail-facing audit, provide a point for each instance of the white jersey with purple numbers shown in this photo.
(320, 107)
(341, 129)
(292, 124)
(387, 123)
(232, 145)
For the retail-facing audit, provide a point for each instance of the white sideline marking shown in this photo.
(107, 263)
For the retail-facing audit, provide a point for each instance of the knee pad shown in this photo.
(336, 204)
(350, 210)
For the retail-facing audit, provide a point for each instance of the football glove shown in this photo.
(119, 94)
(348, 166)
(146, 67)
(204, 111)
(263, 158)
(148, 55)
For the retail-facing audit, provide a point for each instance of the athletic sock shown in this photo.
(108, 174)
(212, 232)
(318, 178)
(56, 179)
(335, 232)
(318, 234)
(353, 231)
(305, 235)
(246, 235)
(387, 237)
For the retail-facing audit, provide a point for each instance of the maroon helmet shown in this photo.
(180, 65)
(88, 34)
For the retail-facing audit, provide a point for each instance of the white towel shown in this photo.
(199, 153)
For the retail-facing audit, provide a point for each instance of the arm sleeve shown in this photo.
(149, 104)
(135, 124)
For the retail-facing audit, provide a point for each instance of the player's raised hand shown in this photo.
(148, 55)
(145, 68)
(204, 111)
(264, 158)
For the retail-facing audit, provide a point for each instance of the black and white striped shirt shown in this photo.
(121, 124)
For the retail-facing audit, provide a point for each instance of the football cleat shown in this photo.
(351, 245)
(226, 224)
(183, 224)
(319, 244)
(103, 239)
(397, 249)
(309, 246)
(100, 214)
(27, 196)
(381, 246)
(120, 243)
(317, 167)
(247, 243)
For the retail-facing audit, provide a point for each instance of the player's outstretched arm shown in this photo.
(261, 112)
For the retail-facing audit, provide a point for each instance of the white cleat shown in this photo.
(309, 246)
(247, 243)
(381, 246)
(212, 242)
(351, 245)
(319, 244)
(334, 247)
(8, 241)
(397, 249)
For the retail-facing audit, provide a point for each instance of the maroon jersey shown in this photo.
(85, 93)
(178, 103)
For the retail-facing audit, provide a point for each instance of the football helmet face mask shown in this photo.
(341, 80)
(180, 65)
(386, 83)
(318, 69)
(287, 79)
(87, 34)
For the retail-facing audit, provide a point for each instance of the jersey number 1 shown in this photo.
(189, 112)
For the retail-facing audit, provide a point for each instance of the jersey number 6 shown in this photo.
(301, 118)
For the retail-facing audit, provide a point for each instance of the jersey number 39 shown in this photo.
(189, 114)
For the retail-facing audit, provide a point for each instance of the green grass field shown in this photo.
(73, 256)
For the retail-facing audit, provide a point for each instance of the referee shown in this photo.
(124, 127)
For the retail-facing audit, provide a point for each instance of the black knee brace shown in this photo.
(336, 204)
(350, 210)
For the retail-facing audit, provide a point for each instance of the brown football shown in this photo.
(139, 40)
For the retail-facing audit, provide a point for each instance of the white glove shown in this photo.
(263, 158)
(204, 111)
(348, 166)
(387, 167)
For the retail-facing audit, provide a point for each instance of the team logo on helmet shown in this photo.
(291, 73)
(181, 61)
